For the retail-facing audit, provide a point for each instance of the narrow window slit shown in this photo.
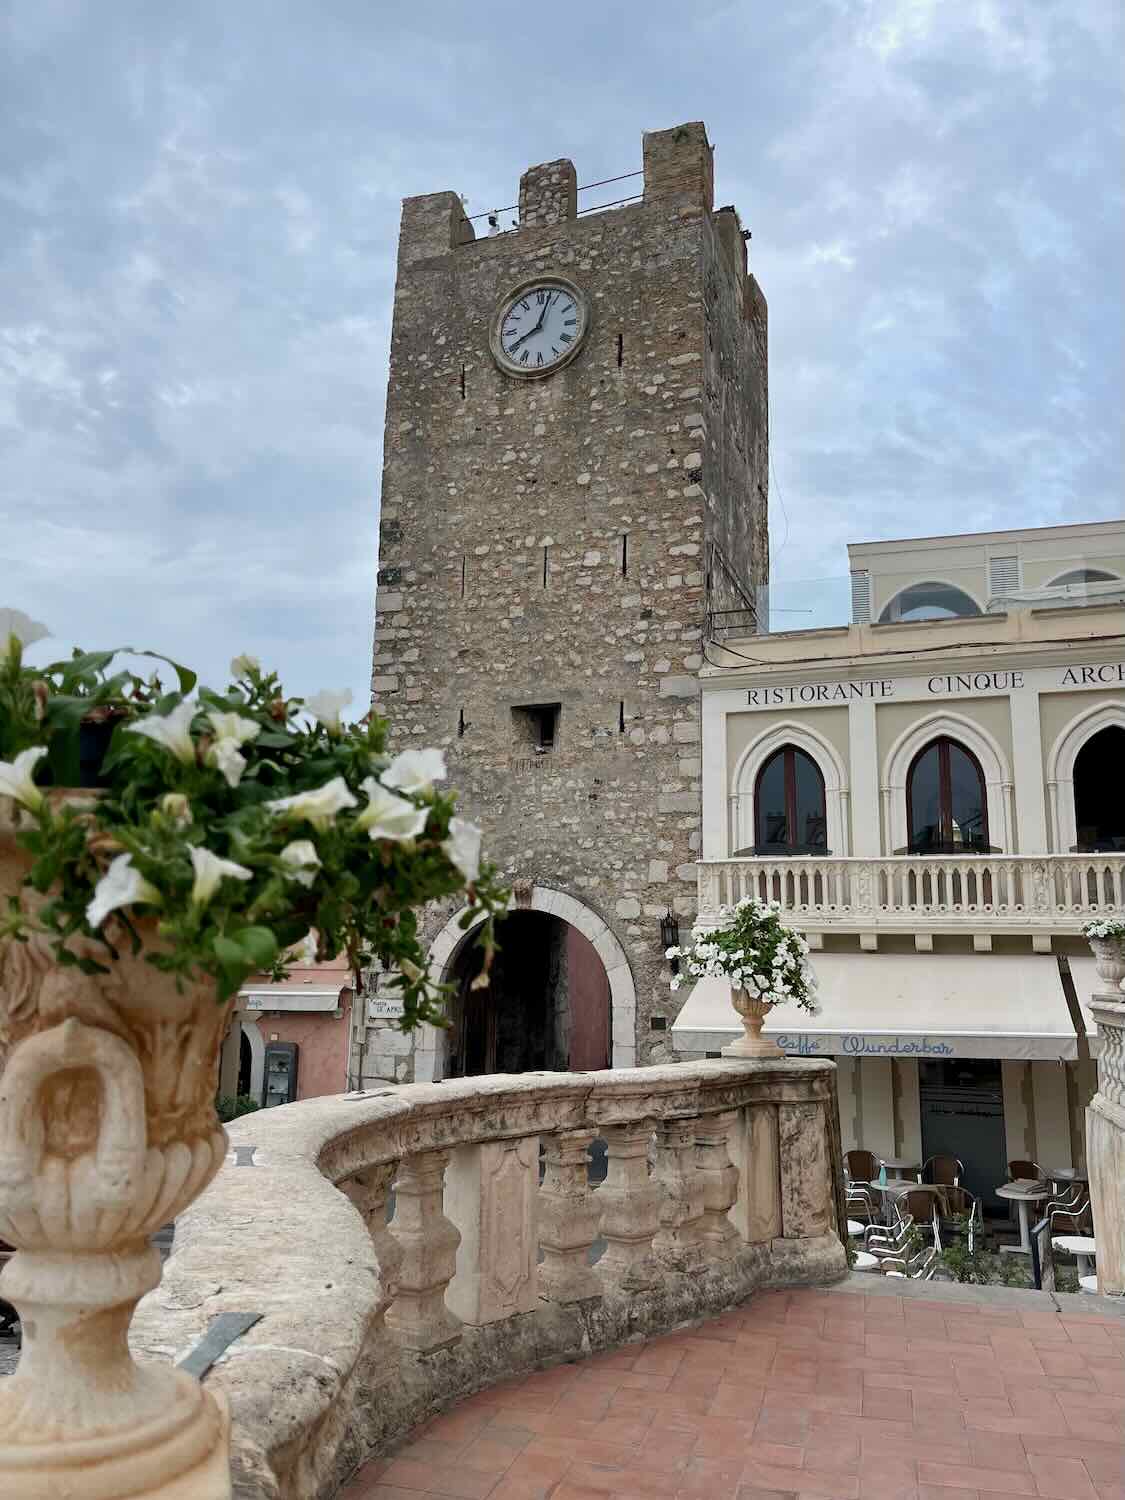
(621, 717)
(624, 554)
(620, 350)
(544, 567)
(460, 723)
(462, 382)
(463, 568)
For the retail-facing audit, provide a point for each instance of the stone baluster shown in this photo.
(753, 1145)
(720, 1182)
(630, 1208)
(1105, 1119)
(418, 1317)
(491, 1197)
(368, 1191)
(679, 1242)
(568, 1221)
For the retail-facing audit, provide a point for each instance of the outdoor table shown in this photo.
(1068, 1175)
(855, 1228)
(1082, 1246)
(1021, 1194)
(899, 1167)
(865, 1261)
(895, 1189)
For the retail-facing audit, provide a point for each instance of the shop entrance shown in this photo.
(962, 1105)
(546, 1005)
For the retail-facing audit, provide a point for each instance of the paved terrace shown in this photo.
(863, 1391)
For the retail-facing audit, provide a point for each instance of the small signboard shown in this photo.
(385, 1007)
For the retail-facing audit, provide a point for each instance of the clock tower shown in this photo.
(573, 504)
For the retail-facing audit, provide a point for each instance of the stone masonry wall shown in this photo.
(547, 541)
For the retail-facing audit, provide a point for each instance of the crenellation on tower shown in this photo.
(548, 194)
(575, 478)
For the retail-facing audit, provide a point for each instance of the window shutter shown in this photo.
(1003, 576)
(861, 598)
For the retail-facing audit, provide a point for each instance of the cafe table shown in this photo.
(1022, 1194)
(1082, 1246)
(899, 1167)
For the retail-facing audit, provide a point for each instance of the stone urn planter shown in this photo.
(753, 1012)
(1109, 958)
(107, 1131)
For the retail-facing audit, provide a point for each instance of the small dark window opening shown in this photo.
(658, 1023)
(624, 554)
(462, 382)
(620, 350)
(536, 726)
(544, 567)
(621, 717)
(463, 569)
(460, 723)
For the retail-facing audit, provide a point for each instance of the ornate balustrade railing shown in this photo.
(722, 1177)
(1054, 892)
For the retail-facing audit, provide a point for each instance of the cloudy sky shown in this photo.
(198, 211)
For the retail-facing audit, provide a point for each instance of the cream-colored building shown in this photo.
(937, 799)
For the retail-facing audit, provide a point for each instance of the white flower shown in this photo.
(302, 859)
(317, 807)
(325, 706)
(13, 622)
(176, 806)
(242, 666)
(228, 759)
(209, 870)
(16, 777)
(173, 730)
(415, 770)
(388, 816)
(121, 885)
(227, 726)
(462, 848)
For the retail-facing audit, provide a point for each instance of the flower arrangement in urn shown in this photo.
(156, 848)
(765, 961)
(1106, 936)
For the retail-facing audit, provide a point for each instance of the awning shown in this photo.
(922, 1005)
(285, 997)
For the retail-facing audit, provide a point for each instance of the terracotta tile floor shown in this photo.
(805, 1393)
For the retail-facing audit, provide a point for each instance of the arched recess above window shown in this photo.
(1078, 576)
(946, 800)
(932, 600)
(790, 810)
(1062, 768)
(986, 751)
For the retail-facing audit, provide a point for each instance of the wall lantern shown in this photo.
(670, 937)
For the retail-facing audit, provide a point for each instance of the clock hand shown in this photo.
(538, 326)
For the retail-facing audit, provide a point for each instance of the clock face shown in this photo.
(539, 327)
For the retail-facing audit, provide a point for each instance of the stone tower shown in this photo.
(554, 542)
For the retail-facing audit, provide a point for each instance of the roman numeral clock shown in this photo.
(539, 326)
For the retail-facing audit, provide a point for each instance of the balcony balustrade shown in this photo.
(721, 1177)
(1034, 893)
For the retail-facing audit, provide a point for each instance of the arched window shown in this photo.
(1079, 576)
(1099, 791)
(929, 601)
(946, 803)
(789, 808)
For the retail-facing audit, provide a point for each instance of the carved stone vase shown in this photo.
(753, 1012)
(107, 1131)
(1109, 959)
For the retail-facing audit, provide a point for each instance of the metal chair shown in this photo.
(919, 1267)
(881, 1241)
(920, 1205)
(946, 1170)
(859, 1203)
(1025, 1171)
(1072, 1218)
(863, 1166)
(9, 1317)
(956, 1208)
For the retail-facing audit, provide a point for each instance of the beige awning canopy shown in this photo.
(921, 1005)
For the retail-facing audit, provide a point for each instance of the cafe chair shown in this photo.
(946, 1170)
(919, 1267)
(1025, 1171)
(959, 1212)
(859, 1203)
(1070, 1218)
(863, 1166)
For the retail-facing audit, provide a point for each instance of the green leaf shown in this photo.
(229, 954)
(259, 945)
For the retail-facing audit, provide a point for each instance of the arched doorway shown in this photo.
(1099, 791)
(546, 1005)
(432, 1046)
